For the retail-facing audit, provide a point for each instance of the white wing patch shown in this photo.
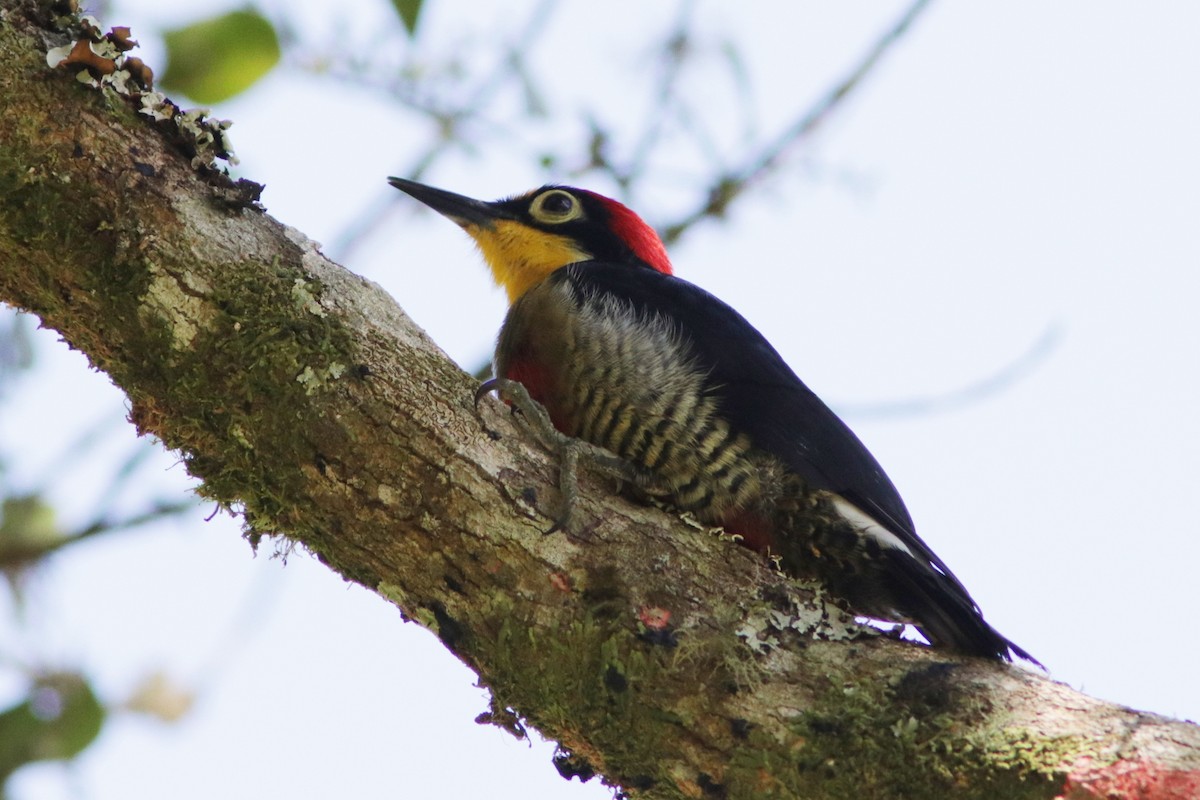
(866, 525)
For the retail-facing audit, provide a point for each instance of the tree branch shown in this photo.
(674, 663)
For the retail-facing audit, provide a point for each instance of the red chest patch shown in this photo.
(757, 533)
(536, 380)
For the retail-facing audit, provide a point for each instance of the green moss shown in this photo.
(248, 377)
(232, 388)
(44, 208)
(919, 754)
(596, 676)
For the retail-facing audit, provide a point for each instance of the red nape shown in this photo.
(634, 231)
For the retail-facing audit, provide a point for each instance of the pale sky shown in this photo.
(1012, 168)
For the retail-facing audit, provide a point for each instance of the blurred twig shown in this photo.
(729, 186)
(449, 126)
(728, 183)
(675, 51)
(988, 387)
(17, 555)
(156, 512)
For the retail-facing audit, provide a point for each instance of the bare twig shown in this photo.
(448, 131)
(727, 187)
(997, 382)
(156, 512)
(674, 55)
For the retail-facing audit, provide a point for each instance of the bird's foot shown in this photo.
(570, 451)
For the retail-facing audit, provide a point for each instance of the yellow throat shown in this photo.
(520, 256)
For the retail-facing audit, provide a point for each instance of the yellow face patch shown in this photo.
(522, 257)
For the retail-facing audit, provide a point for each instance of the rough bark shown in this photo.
(669, 660)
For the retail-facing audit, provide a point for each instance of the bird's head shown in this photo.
(526, 238)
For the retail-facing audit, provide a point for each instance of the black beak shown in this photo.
(463, 210)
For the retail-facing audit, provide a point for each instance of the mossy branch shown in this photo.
(670, 661)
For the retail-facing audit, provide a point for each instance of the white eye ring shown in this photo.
(555, 206)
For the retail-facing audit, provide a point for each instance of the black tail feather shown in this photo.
(938, 607)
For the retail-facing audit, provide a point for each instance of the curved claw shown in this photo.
(492, 384)
(485, 388)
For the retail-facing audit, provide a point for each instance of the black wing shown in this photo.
(759, 393)
(762, 397)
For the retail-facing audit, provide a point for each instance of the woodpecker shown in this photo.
(658, 375)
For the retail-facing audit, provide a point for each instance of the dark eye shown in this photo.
(555, 206)
(557, 203)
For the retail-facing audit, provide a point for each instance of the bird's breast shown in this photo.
(628, 381)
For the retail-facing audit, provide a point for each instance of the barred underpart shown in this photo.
(627, 383)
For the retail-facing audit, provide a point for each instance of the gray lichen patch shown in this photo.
(387, 495)
(177, 300)
(305, 299)
(311, 259)
(792, 615)
(314, 380)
